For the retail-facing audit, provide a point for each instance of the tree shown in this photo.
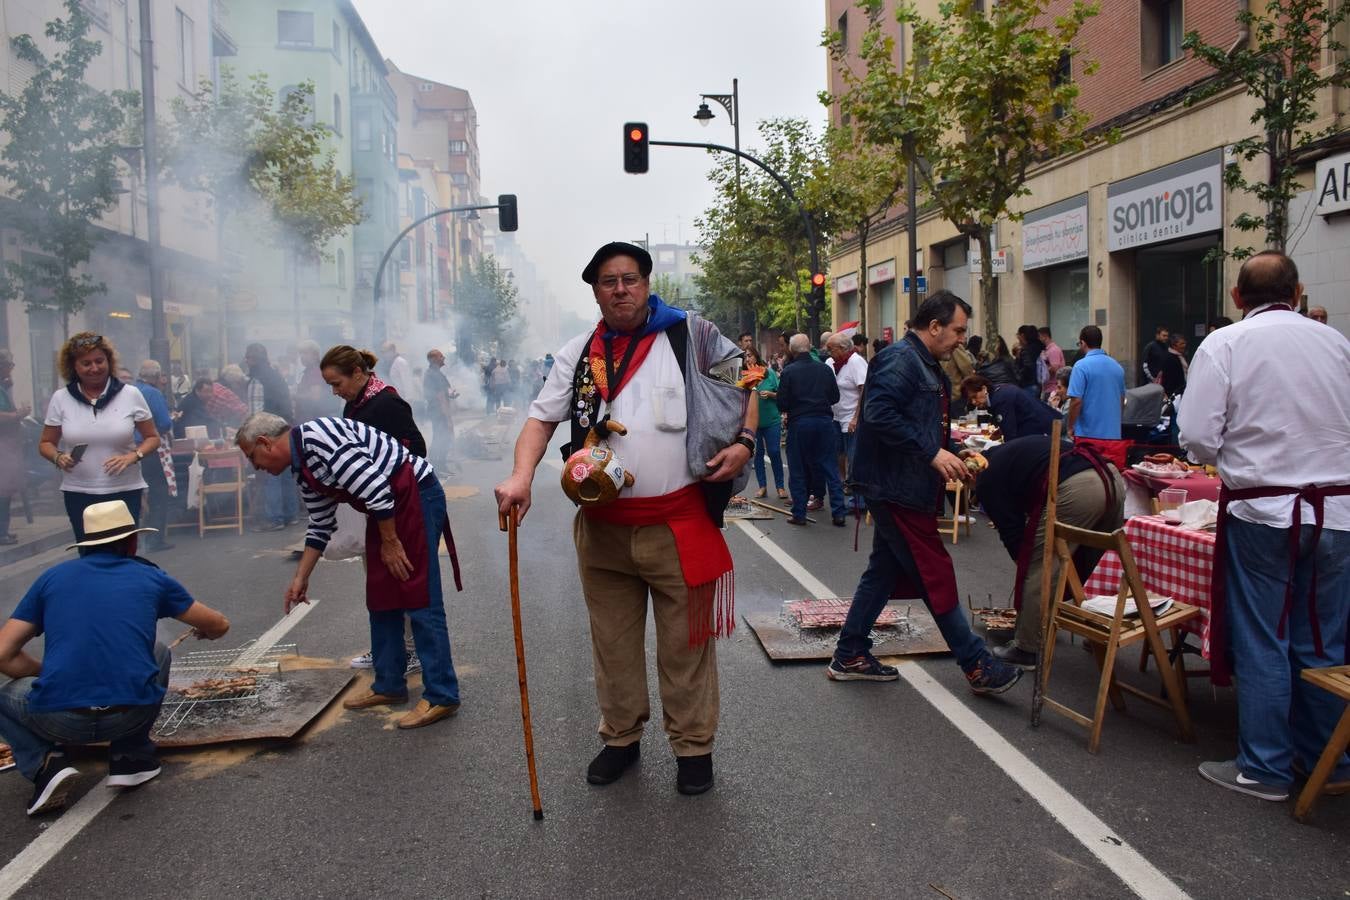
(672, 290)
(982, 99)
(754, 237)
(487, 302)
(1281, 66)
(859, 183)
(61, 163)
(244, 151)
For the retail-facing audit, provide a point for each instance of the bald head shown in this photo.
(1267, 277)
(799, 344)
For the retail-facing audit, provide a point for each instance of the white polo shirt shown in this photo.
(109, 432)
(850, 379)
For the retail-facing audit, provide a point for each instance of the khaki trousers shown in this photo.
(1082, 502)
(619, 565)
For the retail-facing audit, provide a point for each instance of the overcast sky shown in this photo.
(553, 83)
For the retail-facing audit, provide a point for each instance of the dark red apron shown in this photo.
(384, 592)
(1220, 673)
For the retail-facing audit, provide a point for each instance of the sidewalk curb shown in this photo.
(40, 544)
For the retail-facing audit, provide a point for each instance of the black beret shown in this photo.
(611, 250)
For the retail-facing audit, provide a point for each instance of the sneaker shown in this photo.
(992, 676)
(694, 774)
(125, 772)
(414, 665)
(52, 784)
(860, 668)
(1014, 655)
(1226, 774)
(838, 522)
(814, 503)
(364, 661)
(611, 762)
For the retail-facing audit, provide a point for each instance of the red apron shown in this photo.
(1220, 673)
(384, 592)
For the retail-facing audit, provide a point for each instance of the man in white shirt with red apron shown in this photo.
(1266, 403)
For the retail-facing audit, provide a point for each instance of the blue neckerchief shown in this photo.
(660, 316)
(109, 392)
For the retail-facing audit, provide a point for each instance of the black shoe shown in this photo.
(694, 775)
(793, 520)
(1014, 655)
(52, 784)
(124, 772)
(838, 521)
(611, 762)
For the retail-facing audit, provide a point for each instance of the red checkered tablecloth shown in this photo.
(1172, 561)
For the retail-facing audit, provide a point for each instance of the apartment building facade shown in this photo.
(1120, 235)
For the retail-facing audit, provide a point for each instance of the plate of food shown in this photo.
(6, 757)
(1162, 465)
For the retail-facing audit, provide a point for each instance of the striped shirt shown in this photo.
(351, 457)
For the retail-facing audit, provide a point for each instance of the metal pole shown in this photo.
(159, 332)
(912, 213)
(736, 129)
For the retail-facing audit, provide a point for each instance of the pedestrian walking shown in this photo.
(769, 432)
(12, 475)
(807, 392)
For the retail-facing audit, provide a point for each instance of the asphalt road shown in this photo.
(823, 789)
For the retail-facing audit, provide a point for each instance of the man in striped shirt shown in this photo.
(342, 461)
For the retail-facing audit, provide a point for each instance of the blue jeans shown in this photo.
(891, 560)
(770, 438)
(32, 735)
(440, 686)
(811, 457)
(1281, 717)
(279, 503)
(844, 446)
(76, 503)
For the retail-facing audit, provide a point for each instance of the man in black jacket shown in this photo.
(806, 392)
(1155, 355)
(266, 391)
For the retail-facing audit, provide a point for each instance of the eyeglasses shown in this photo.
(629, 279)
(84, 343)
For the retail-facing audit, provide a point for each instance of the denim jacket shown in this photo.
(902, 426)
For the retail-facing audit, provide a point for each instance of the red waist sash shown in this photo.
(705, 560)
(1220, 673)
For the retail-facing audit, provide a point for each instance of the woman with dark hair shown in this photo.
(97, 431)
(351, 375)
(769, 434)
(1017, 414)
(1029, 350)
(997, 364)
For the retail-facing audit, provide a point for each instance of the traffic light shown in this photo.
(635, 147)
(506, 212)
(818, 280)
(818, 290)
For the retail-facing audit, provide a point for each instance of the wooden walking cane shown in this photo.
(508, 524)
(1049, 517)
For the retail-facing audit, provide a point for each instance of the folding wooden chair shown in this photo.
(1107, 634)
(957, 490)
(1335, 679)
(228, 479)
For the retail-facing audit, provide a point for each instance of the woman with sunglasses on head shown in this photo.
(109, 419)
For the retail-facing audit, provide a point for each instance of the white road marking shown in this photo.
(1130, 866)
(21, 869)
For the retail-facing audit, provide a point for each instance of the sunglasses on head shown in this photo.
(84, 343)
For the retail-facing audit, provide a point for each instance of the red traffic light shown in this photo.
(635, 134)
(635, 147)
(818, 279)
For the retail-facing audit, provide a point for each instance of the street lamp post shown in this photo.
(732, 104)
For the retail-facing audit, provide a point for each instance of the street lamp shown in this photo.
(732, 104)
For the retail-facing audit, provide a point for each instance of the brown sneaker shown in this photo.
(424, 714)
(368, 698)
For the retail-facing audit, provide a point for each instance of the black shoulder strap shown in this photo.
(678, 335)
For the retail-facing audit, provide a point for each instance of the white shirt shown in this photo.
(109, 432)
(850, 379)
(401, 377)
(651, 406)
(1267, 403)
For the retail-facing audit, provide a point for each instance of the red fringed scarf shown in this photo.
(619, 350)
(704, 558)
(373, 386)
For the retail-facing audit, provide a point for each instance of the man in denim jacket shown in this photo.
(904, 459)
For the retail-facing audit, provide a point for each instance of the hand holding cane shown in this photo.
(508, 524)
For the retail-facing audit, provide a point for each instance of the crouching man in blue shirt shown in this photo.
(102, 676)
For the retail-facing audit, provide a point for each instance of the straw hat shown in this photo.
(107, 522)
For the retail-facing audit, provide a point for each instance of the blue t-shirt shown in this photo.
(159, 407)
(99, 614)
(1099, 381)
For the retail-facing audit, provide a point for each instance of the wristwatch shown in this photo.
(139, 454)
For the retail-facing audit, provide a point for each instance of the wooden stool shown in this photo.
(1335, 679)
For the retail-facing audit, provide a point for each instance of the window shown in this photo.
(459, 146)
(426, 87)
(459, 178)
(364, 133)
(1161, 32)
(341, 269)
(295, 29)
(390, 205)
(337, 42)
(366, 263)
(1063, 75)
(337, 114)
(187, 70)
(843, 30)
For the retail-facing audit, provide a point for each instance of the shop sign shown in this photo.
(846, 283)
(171, 307)
(1176, 201)
(1000, 266)
(1056, 233)
(1333, 185)
(881, 272)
